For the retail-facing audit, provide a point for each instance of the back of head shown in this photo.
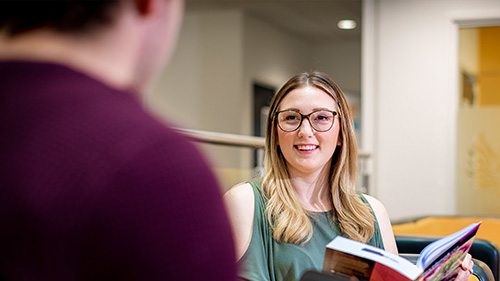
(69, 16)
(123, 43)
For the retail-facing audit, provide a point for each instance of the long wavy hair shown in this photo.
(288, 219)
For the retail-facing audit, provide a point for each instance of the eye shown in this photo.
(291, 117)
(323, 116)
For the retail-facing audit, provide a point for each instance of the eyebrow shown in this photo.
(314, 109)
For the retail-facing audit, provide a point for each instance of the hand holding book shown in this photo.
(440, 260)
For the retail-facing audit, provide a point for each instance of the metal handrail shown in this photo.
(223, 138)
(233, 139)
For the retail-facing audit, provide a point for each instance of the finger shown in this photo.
(467, 262)
(463, 275)
(467, 259)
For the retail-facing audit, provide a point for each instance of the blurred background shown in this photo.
(422, 78)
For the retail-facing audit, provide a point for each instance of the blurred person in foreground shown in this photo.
(92, 187)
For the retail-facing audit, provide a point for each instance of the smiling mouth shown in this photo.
(306, 147)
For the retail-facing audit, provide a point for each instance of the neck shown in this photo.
(313, 190)
(95, 57)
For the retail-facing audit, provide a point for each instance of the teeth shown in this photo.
(306, 147)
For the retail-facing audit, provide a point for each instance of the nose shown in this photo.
(305, 130)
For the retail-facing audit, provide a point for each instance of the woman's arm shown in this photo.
(239, 202)
(390, 243)
(384, 224)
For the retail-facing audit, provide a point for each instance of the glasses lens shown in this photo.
(322, 120)
(289, 120)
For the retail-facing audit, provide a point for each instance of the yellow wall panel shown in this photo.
(489, 66)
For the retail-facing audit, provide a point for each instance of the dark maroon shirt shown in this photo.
(94, 188)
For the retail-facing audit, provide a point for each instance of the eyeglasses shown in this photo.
(320, 120)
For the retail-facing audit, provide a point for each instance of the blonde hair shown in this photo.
(353, 215)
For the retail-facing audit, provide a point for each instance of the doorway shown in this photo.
(478, 139)
(262, 96)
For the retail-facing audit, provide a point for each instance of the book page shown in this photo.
(448, 267)
(438, 249)
(367, 260)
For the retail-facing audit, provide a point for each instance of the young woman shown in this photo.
(283, 221)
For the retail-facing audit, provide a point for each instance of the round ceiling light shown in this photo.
(346, 24)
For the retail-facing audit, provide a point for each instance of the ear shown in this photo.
(144, 7)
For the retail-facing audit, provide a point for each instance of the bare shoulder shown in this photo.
(239, 192)
(384, 223)
(239, 201)
(376, 205)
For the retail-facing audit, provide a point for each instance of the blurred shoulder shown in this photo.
(241, 193)
(384, 223)
(239, 201)
(376, 205)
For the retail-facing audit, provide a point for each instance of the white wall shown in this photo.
(202, 86)
(272, 55)
(342, 61)
(178, 87)
(415, 100)
(205, 74)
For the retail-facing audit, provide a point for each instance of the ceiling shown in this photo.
(309, 19)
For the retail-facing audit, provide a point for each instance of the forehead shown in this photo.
(307, 99)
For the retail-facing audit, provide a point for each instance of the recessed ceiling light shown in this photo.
(346, 24)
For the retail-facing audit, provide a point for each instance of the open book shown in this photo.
(440, 260)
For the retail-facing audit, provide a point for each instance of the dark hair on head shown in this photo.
(66, 16)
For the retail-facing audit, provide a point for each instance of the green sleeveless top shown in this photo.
(269, 260)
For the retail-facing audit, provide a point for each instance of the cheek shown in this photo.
(335, 137)
(282, 138)
(285, 143)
